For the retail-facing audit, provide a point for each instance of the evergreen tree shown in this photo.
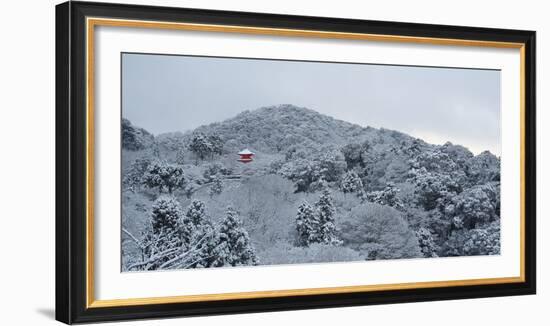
(165, 214)
(133, 177)
(195, 213)
(163, 241)
(326, 232)
(306, 224)
(216, 144)
(426, 242)
(200, 145)
(216, 187)
(484, 240)
(475, 206)
(353, 154)
(301, 171)
(387, 197)
(352, 183)
(235, 248)
(430, 187)
(134, 138)
(330, 165)
(483, 168)
(207, 251)
(164, 176)
(190, 221)
(178, 240)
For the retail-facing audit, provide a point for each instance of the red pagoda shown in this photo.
(245, 156)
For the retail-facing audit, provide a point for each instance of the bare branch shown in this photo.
(132, 237)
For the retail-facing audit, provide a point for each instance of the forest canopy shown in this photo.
(318, 190)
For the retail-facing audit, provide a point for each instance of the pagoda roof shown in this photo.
(245, 151)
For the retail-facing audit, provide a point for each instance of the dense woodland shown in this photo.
(318, 190)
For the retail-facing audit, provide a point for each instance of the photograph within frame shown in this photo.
(80, 132)
(369, 162)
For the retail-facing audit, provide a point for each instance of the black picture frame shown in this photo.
(71, 158)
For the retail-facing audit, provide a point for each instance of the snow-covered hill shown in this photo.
(386, 195)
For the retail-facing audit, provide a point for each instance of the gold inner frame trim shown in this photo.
(92, 22)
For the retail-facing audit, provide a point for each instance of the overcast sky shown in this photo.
(164, 93)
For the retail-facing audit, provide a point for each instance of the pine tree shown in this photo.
(426, 242)
(216, 144)
(387, 197)
(352, 183)
(164, 176)
(326, 232)
(235, 248)
(195, 213)
(200, 145)
(165, 214)
(207, 251)
(133, 177)
(163, 241)
(217, 187)
(306, 224)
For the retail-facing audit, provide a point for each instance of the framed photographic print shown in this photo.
(212, 162)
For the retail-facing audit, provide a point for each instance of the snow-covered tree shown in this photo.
(431, 186)
(483, 168)
(353, 154)
(330, 165)
(133, 177)
(163, 241)
(235, 248)
(306, 224)
(310, 174)
(207, 252)
(216, 144)
(165, 214)
(387, 197)
(412, 148)
(157, 248)
(200, 145)
(483, 240)
(163, 176)
(216, 187)
(196, 213)
(301, 171)
(457, 153)
(178, 240)
(351, 183)
(473, 207)
(204, 146)
(171, 250)
(325, 211)
(134, 138)
(447, 161)
(379, 232)
(426, 242)
(435, 160)
(445, 201)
